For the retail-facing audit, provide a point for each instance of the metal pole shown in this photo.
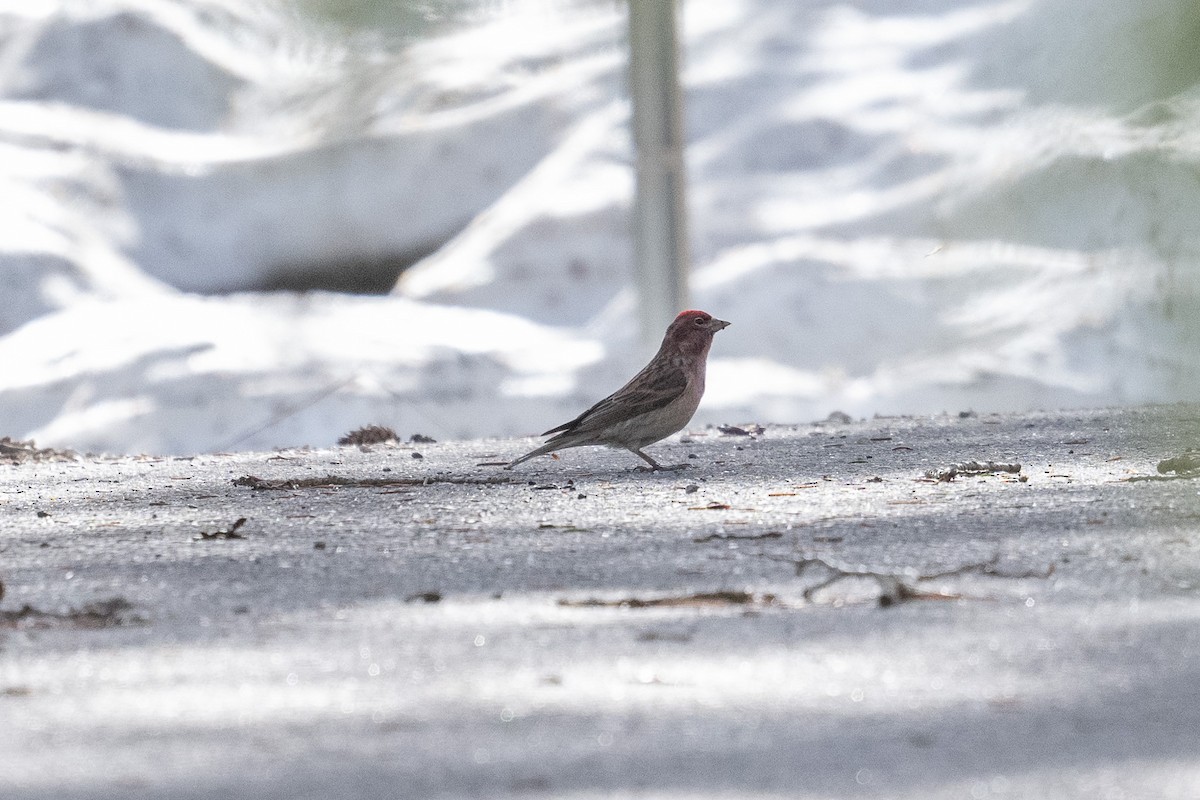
(660, 204)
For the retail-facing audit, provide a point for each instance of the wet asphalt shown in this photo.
(956, 606)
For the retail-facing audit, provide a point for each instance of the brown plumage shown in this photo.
(657, 402)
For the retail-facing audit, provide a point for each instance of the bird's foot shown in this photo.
(655, 466)
(663, 468)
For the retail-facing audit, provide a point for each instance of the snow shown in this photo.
(902, 207)
(230, 371)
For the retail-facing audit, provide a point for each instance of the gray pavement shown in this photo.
(803, 613)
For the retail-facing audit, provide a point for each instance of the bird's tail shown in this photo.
(541, 451)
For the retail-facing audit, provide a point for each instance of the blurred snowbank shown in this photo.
(903, 207)
(230, 372)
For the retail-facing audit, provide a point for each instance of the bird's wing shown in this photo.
(641, 395)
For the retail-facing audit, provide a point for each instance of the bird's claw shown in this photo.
(661, 468)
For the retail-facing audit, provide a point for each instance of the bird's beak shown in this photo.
(718, 324)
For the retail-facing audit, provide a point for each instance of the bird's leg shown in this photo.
(657, 467)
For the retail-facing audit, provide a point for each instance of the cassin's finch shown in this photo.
(657, 402)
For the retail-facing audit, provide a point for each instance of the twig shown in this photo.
(719, 598)
(332, 481)
(729, 537)
(232, 533)
(971, 468)
(897, 588)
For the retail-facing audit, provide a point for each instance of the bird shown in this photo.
(657, 402)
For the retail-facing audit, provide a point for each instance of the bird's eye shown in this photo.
(699, 320)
